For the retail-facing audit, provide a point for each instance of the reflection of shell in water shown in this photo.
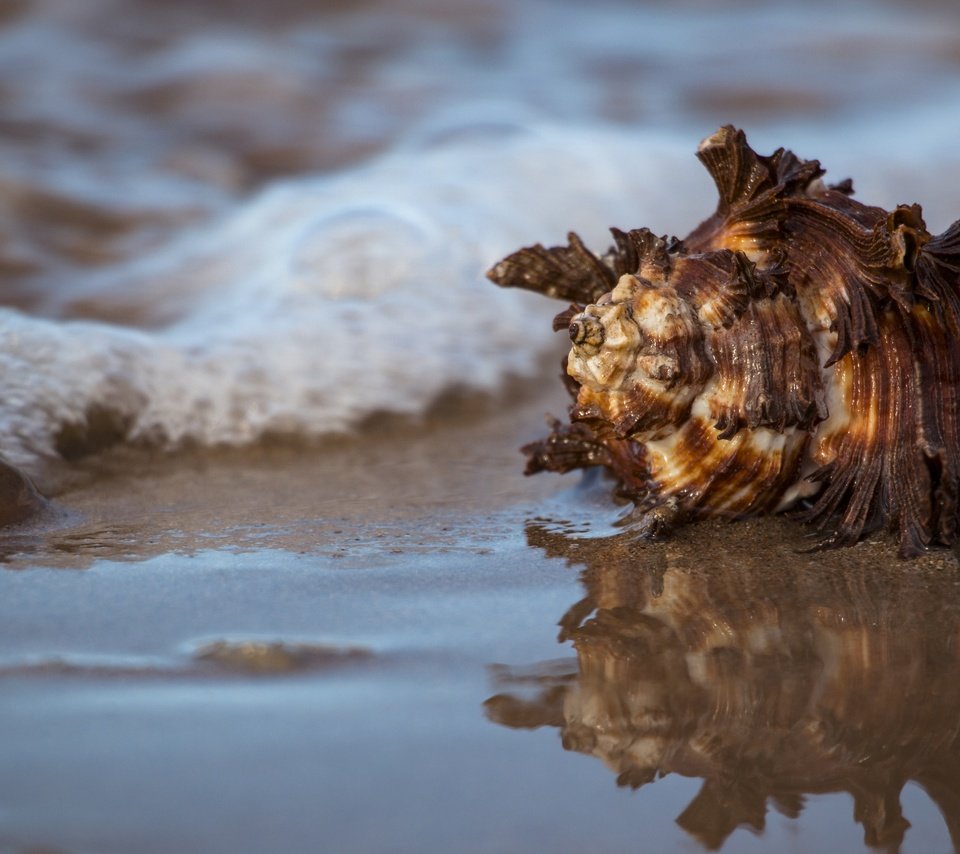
(841, 677)
(796, 345)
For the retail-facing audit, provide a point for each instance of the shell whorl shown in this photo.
(797, 344)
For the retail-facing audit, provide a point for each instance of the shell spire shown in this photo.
(796, 346)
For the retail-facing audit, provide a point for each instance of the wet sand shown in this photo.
(221, 652)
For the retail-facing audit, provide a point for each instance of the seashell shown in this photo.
(797, 348)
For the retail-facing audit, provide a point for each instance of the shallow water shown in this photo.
(292, 592)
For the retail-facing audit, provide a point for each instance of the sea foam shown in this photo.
(322, 300)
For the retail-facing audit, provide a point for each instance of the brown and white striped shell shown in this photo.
(796, 345)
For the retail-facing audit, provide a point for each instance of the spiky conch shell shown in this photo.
(796, 345)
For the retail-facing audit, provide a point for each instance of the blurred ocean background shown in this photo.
(247, 347)
(222, 221)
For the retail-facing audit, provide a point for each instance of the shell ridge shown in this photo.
(938, 274)
(938, 418)
(640, 251)
(569, 272)
(752, 191)
(767, 367)
(568, 447)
